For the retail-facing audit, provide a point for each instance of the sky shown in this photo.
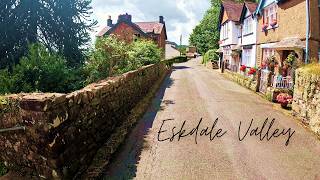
(181, 16)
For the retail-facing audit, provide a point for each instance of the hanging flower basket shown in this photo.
(274, 23)
(235, 54)
(264, 27)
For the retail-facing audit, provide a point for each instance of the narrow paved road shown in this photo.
(192, 92)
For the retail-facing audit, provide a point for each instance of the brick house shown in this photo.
(130, 31)
(282, 31)
(230, 34)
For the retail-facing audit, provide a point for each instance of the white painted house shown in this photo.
(230, 33)
(249, 25)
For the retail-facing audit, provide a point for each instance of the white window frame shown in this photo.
(247, 25)
(267, 52)
(247, 57)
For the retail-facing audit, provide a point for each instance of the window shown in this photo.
(247, 29)
(239, 31)
(246, 57)
(267, 53)
(270, 13)
(225, 29)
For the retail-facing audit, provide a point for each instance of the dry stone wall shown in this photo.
(306, 99)
(247, 82)
(64, 131)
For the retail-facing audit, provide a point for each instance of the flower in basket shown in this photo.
(264, 27)
(273, 23)
(243, 68)
(252, 71)
(284, 99)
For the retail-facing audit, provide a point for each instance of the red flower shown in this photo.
(284, 99)
(252, 71)
(243, 68)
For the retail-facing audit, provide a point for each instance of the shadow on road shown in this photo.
(180, 67)
(124, 163)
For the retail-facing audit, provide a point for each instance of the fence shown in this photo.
(282, 82)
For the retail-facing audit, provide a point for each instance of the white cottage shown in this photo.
(249, 25)
(230, 34)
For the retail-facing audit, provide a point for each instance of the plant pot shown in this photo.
(284, 104)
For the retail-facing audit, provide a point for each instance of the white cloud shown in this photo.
(181, 16)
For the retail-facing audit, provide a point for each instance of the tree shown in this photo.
(205, 36)
(62, 25)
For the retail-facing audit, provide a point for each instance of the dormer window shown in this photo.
(270, 14)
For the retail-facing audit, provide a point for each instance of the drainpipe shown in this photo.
(307, 31)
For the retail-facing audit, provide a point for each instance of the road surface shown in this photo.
(192, 92)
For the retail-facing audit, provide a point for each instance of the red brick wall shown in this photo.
(125, 32)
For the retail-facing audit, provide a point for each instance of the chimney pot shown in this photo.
(161, 19)
(109, 21)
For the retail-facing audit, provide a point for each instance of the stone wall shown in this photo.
(306, 99)
(247, 82)
(64, 131)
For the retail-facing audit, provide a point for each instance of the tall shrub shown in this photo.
(108, 58)
(112, 56)
(42, 71)
(145, 52)
(210, 55)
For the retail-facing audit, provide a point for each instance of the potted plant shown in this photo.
(243, 68)
(284, 99)
(271, 63)
(264, 27)
(273, 23)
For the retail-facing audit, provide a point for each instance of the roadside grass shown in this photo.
(313, 68)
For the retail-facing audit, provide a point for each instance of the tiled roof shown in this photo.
(233, 10)
(146, 27)
(251, 6)
(149, 27)
(103, 31)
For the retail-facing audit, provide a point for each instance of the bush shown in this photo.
(3, 169)
(6, 81)
(112, 56)
(40, 71)
(109, 56)
(210, 56)
(145, 52)
(180, 59)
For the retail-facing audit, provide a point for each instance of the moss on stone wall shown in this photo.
(306, 97)
(242, 80)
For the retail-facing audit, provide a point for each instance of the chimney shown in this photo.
(125, 18)
(161, 19)
(109, 22)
